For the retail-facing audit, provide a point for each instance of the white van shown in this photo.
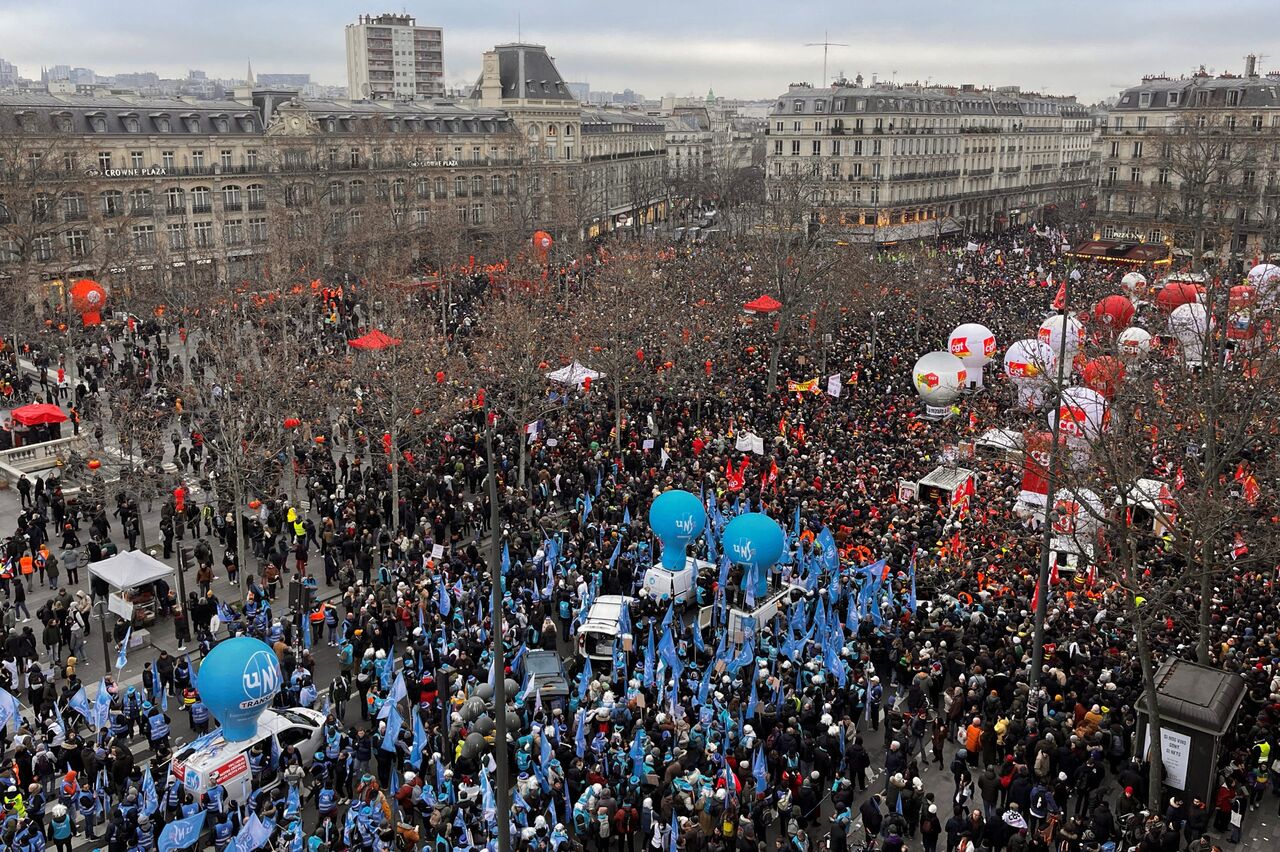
(211, 760)
(763, 614)
(677, 586)
(603, 624)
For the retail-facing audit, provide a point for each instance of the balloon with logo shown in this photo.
(677, 518)
(938, 378)
(88, 297)
(755, 541)
(1082, 414)
(1134, 283)
(1110, 316)
(1027, 364)
(542, 243)
(1189, 323)
(973, 344)
(1051, 334)
(237, 681)
(1134, 342)
(1104, 374)
(1077, 511)
(1264, 275)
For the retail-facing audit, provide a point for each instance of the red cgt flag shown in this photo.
(1060, 300)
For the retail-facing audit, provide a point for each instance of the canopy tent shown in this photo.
(574, 374)
(374, 340)
(38, 414)
(765, 304)
(130, 569)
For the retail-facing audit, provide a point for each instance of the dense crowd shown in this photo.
(829, 727)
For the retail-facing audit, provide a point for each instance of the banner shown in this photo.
(834, 385)
(1035, 467)
(181, 833)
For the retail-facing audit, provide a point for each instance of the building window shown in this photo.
(777, 147)
(495, 185)
(835, 147)
(1115, 149)
(1249, 177)
(1142, 122)
(778, 126)
(166, 159)
(251, 158)
(1119, 122)
(353, 158)
(176, 232)
(477, 185)
(257, 231)
(795, 147)
(1173, 99)
(1233, 97)
(135, 159)
(462, 214)
(112, 202)
(140, 201)
(104, 160)
(459, 186)
(231, 197)
(42, 248)
(1144, 99)
(797, 105)
(422, 216)
(233, 232)
(197, 160)
(819, 106)
(857, 170)
(201, 200)
(1112, 173)
(203, 234)
(1162, 177)
(224, 157)
(144, 237)
(477, 214)
(1231, 121)
(78, 244)
(256, 196)
(1137, 150)
(816, 148)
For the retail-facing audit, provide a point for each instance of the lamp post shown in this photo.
(102, 631)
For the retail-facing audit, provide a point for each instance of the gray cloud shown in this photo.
(749, 48)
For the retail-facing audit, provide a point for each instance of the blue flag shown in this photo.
(626, 516)
(584, 678)
(760, 769)
(252, 836)
(649, 661)
(754, 699)
(80, 703)
(10, 708)
(419, 740)
(394, 723)
(911, 601)
(580, 734)
(829, 559)
(150, 801)
(506, 558)
(675, 833)
(306, 631)
(617, 549)
(180, 834)
(443, 604)
(122, 658)
(586, 507)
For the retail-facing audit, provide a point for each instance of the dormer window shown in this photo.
(163, 125)
(797, 105)
(221, 125)
(192, 124)
(1144, 99)
(132, 125)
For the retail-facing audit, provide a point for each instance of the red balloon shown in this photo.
(1176, 294)
(1114, 313)
(1104, 375)
(1242, 296)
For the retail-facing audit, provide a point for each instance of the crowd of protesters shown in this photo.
(830, 727)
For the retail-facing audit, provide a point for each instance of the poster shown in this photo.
(1175, 754)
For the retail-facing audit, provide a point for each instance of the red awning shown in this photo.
(373, 340)
(39, 414)
(764, 305)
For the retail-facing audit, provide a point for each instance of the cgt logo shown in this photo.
(989, 346)
(928, 381)
(260, 679)
(960, 347)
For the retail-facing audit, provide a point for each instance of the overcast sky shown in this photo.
(743, 48)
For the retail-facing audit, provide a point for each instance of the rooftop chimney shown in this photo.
(1251, 65)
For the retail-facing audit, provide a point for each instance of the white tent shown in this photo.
(130, 569)
(574, 374)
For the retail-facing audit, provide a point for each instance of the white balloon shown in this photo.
(1050, 333)
(938, 377)
(1264, 274)
(1189, 324)
(1134, 341)
(1134, 283)
(974, 344)
(1082, 414)
(1076, 510)
(1028, 362)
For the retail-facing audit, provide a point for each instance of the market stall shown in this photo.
(133, 577)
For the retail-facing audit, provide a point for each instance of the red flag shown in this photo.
(1238, 547)
(1035, 599)
(1251, 490)
(1053, 574)
(1060, 300)
(1179, 480)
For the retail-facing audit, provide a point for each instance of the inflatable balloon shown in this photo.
(1134, 283)
(1189, 323)
(1050, 334)
(1134, 341)
(1113, 313)
(1028, 360)
(938, 378)
(237, 681)
(1082, 414)
(88, 298)
(1175, 294)
(755, 541)
(1104, 375)
(974, 345)
(1265, 275)
(677, 518)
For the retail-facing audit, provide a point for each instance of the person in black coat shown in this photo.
(872, 819)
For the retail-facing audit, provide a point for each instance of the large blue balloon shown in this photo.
(237, 681)
(755, 541)
(676, 518)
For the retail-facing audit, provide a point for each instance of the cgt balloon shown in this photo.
(677, 518)
(237, 681)
(974, 344)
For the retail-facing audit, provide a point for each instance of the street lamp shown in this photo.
(102, 630)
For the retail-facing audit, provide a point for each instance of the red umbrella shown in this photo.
(373, 340)
(39, 414)
(766, 304)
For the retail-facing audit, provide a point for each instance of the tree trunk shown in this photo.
(237, 495)
(393, 459)
(1153, 713)
(775, 354)
(617, 416)
(1206, 609)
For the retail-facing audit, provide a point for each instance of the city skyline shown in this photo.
(668, 48)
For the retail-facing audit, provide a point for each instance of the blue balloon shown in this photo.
(676, 518)
(237, 681)
(755, 541)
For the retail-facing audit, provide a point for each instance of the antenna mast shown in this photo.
(826, 44)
